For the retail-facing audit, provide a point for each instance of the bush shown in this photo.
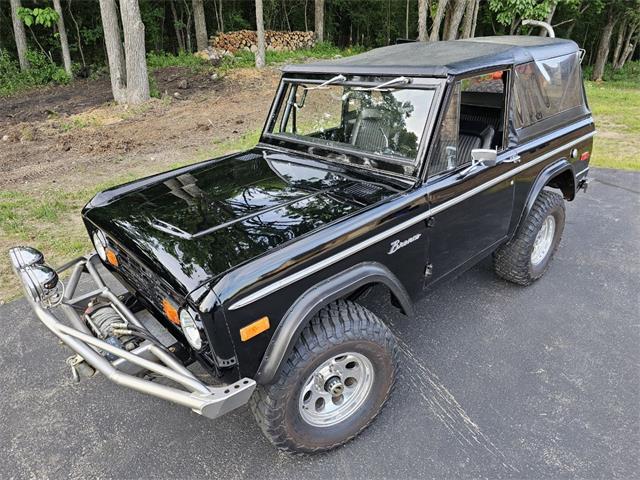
(42, 72)
(627, 77)
(157, 60)
(244, 59)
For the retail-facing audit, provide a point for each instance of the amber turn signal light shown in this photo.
(170, 311)
(112, 258)
(254, 329)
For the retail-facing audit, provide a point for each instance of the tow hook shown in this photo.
(79, 367)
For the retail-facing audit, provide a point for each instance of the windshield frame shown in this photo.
(436, 85)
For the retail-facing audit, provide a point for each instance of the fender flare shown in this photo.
(542, 180)
(313, 300)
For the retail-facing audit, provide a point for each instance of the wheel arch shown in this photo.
(314, 299)
(558, 175)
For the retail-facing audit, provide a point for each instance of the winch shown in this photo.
(107, 324)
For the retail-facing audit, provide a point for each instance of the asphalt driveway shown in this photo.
(497, 381)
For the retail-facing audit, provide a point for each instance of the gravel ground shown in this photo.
(497, 381)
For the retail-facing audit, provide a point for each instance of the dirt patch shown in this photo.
(88, 140)
(52, 101)
(51, 163)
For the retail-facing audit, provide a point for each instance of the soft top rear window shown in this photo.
(547, 87)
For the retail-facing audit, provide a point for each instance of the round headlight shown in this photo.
(190, 329)
(100, 243)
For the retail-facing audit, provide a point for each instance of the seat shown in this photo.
(370, 132)
(473, 135)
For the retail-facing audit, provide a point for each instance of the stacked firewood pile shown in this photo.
(275, 40)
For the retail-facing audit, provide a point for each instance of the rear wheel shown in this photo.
(528, 255)
(334, 383)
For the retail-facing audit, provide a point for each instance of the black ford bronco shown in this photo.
(396, 168)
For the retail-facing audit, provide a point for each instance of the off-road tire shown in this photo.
(340, 327)
(512, 261)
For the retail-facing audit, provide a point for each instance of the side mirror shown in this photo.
(485, 156)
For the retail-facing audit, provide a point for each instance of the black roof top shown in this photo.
(439, 59)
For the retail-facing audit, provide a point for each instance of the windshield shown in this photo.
(376, 127)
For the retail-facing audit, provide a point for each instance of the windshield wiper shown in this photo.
(385, 86)
(337, 78)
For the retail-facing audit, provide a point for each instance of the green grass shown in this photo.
(319, 51)
(157, 60)
(50, 220)
(616, 108)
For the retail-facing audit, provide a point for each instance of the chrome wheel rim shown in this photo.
(336, 389)
(543, 241)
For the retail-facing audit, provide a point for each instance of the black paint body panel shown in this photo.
(214, 234)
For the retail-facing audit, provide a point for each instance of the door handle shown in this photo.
(514, 159)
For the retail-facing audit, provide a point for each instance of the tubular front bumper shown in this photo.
(206, 400)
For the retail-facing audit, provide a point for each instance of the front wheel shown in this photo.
(337, 378)
(528, 255)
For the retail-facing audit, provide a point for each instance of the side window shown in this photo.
(474, 119)
(545, 88)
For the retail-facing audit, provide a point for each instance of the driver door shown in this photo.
(472, 206)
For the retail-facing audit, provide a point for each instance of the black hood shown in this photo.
(195, 223)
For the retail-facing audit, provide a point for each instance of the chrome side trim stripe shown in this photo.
(311, 269)
(584, 170)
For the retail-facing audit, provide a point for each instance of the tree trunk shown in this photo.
(552, 11)
(221, 18)
(115, 56)
(437, 20)
(135, 52)
(319, 20)
(406, 21)
(78, 36)
(475, 19)
(20, 35)
(515, 23)
(188, 27)
(628, 49)
(622, 29)
(469, 18)
(64, 43)
(201, 25)
(459, 8)
(260, 54)
(176, 25)
(306, 26)
(603, 48)
(423, 7)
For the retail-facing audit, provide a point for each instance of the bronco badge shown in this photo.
(398, 244)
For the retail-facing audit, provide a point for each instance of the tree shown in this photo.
(260, 54)
(177, 25)
(459, 7)
(20, 35)
(470, 19)
(319, 20)
(437, 20)
(64, 42)
(552, 11)
(603, 47)
(512, 12)
(423, 7)
(200, 24)
(135, 52)
(115, 55)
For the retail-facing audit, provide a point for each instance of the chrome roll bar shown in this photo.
(207, 400)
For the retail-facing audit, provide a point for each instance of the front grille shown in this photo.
(145, 282)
